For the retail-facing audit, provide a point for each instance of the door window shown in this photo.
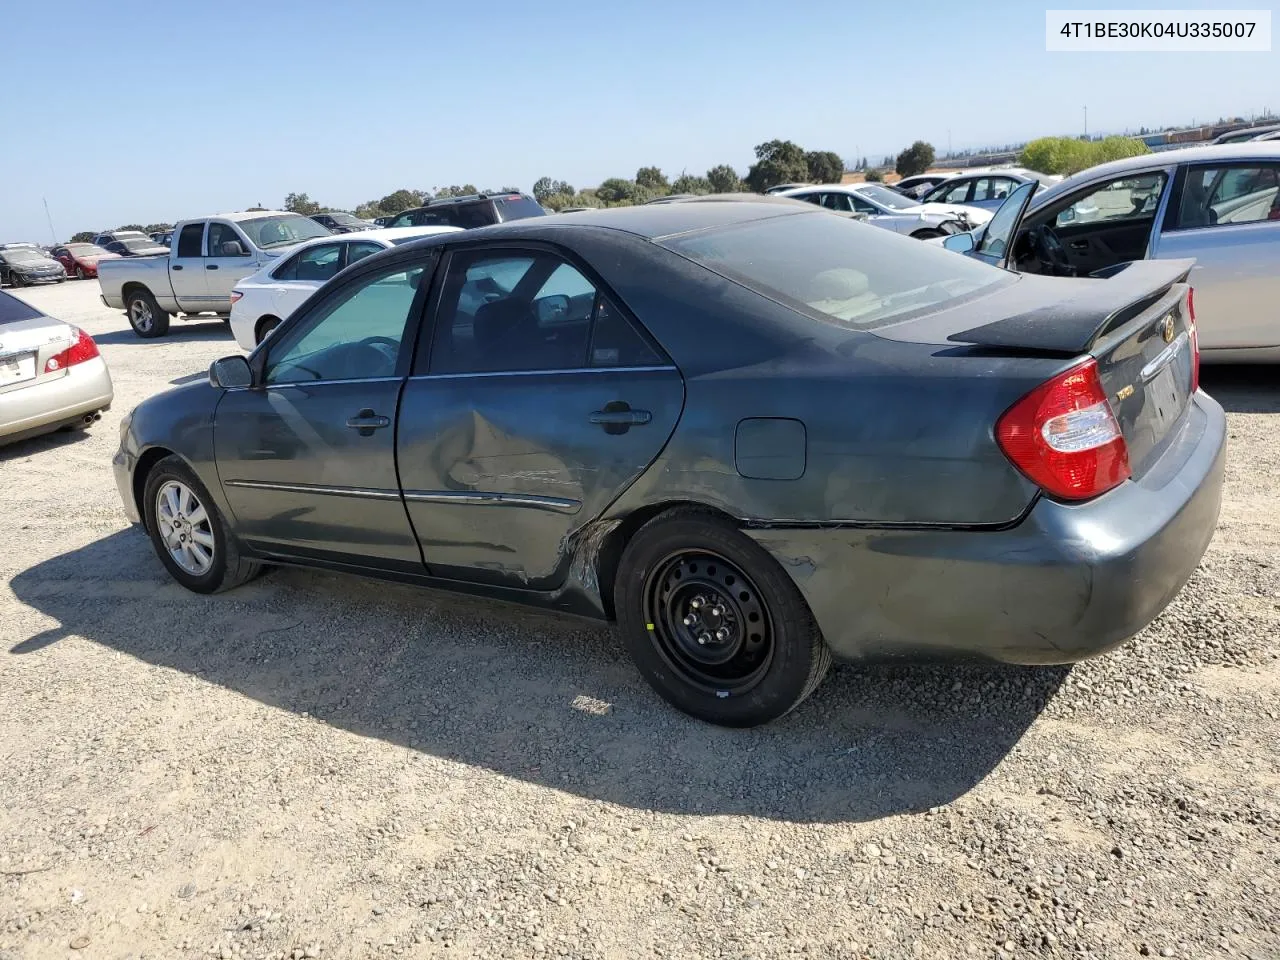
(837, 201)
(353, 335)
(992, 188)
(358, 251)
(1213, 196)
(189, 240)
(513, 312)
(1134, 197)
(221, 238)
(318, 264)
(863, 206)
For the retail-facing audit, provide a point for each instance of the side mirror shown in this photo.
(232, 248)
(959, 242)
(552, 309)
(230, 372)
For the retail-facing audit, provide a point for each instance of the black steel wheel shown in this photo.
(714, 624)
(709, 622)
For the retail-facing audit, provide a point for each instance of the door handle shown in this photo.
(618, 417)
(366, 421)
(211, 266)
(176, 266)
(1079, 244)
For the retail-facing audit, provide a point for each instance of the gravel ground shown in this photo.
(320, 766)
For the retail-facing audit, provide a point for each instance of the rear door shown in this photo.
(228, 260)
(535, 403)
(1227, 216)
(186, 268)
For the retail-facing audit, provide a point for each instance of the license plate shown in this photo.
(1164, 395)
(16, 368)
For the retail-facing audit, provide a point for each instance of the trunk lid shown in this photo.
(1133, 319)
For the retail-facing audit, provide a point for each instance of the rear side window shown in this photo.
(13, 310)
(360, 250)
(189, 240)
(1217, 196)
(839, 271)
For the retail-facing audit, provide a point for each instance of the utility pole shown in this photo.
(1086, 122)
(948, 141)
(53, 233)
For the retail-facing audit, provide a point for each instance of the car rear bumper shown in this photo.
(85, 389)
(1068, 582)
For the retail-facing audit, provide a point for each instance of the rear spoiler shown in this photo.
(1071, 326)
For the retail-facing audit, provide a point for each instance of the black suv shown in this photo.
(477, 210)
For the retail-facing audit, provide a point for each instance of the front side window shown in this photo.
(839, 271)
(515, 312)
(354, 335)
(222, 236)
(316, 264)
(1213, 196)
(1134, 197)
(950, 193)
(992, 188)
(189, 240)
(837, 201)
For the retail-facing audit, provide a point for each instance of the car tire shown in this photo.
(199, 550)
(16, 281)
(145, 316)
(264, 326)
(753, 652)
(80, 274)
(927, 234)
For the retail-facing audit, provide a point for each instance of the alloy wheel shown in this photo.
(185, 527)
(140, 315)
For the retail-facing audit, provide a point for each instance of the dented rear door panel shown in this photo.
(501, 472)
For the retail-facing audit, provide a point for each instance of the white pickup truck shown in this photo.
(207, 258)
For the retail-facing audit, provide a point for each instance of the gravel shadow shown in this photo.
(1243, 389)
(204, 330)
(42, 443)
(543, 699)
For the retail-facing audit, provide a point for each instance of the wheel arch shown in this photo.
(147, 461)
(258, 324)
(133, 286)
(609, 554)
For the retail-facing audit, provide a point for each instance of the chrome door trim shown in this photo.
(360, 493)
(482, 498)
(661, 368)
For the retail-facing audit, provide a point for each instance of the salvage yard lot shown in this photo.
(323, 766)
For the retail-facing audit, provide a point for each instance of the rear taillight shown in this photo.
(1195, 339)
(1064, 436)
(82, 348)
(235, 296)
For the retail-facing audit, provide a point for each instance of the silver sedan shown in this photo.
(1217, 204)
(51, 374)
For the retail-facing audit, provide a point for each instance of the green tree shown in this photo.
(873, 176)
(687, 183)
(546, 188)
(132, 226)
(917, 158)
(616, 191)
(301, 203)
(824, 166)
(84, 236)
(466, 190)
(1117, 148)
(402, 199)
(157, 227)
(724, 179)
(1067, 155)
(653, 180)
(777, 161)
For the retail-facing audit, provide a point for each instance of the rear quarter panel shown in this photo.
(151, 272)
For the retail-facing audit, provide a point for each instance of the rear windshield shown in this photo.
(517, 208)
(837, 270)
(268, 232)
(12, 310)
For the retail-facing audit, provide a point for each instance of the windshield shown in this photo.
(22, 255)
(838, 270)
(347, 220)
(138, 246)
(886, 197)
(281, 231)
(85, 250)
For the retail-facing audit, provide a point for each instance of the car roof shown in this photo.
(655, 221)
(241, 215)
(386, 234)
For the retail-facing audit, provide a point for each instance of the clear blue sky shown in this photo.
(120, 111)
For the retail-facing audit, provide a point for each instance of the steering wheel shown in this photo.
(1051, 252)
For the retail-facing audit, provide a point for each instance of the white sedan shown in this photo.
(261, 302)
(891, 210)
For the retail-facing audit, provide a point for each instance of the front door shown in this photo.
(302, 275)
(307, 460)
(228, 260)
(186, 269)
(539, 404)
(1227, 216)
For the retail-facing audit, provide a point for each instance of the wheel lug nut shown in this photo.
(704, 638)
(690, 620)
(696, 603)
(722, 634)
